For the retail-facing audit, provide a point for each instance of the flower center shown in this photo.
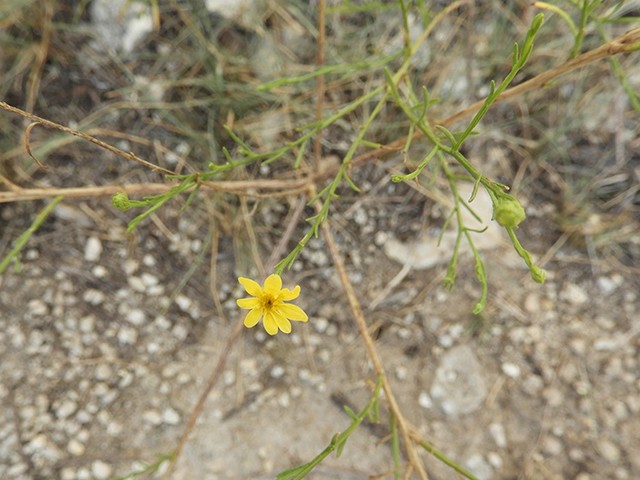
(267, 301)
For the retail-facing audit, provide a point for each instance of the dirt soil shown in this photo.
(107, 340)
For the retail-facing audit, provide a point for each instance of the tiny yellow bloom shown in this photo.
(268, 302)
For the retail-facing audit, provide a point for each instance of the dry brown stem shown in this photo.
(369, 345)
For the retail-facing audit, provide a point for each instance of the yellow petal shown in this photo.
(286, 294)
(282, 322)
(252, 317)
(250, 286)
(273, 284)
(293, 312)
(248, 303)
(270, 324)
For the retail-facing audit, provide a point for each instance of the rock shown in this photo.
(458, 387)
(499, 435)
(93, 249)
(101, 470)
(511, 370)
(116, 33)
(574, 294)
(606, 285)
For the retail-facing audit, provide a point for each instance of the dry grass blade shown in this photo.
(47, 123)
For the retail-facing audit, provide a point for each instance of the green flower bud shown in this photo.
(507, 211)
(121, 201)
(538, 274)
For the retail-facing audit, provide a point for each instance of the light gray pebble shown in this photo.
(532, 384)
(170, 416)
(83, 474)
(83, 416)
(130, 265)
(424, 400)
(574, 294)
(136, 284)
(149, 280)
(511, 369)
(162, 322)
(156, 290)
(479, 466)
(87, 324)
(37, 307)
(67, 473)
(495, 460)
(180, 332)
(499, 435)
(152, 417)
(609, 450)
(92, 249)
(149, 260)
(552, 446)
(136, 316)
(184, 303)
(127, 335)
(606, 285)
(93, 297)
(101, 470)
(553, 396)
(74, 447)
(66, 409)
(99, 271)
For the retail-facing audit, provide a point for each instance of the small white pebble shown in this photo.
(87, 324)
(136, 316)
(499, 435)
(149, 280)
(183, 302)
(277, 371)
(495, 460)
(99, 271)
(606, 285)
(162, 323)
(170, 416)
(424, 400)
(38, 307)
(136, 283)
(574, 294)
(32, 254)
(92, 249)
(320, 324)
(130, 266)
(511, 370)
(152, 417)
(609, 450)
(103, 371)
(127, 335)
(93, 297)
(66, 408)
(101, 470)
(74, 447)
(149, 260)
(229, 377)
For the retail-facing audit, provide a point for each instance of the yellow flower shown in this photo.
(269, 301)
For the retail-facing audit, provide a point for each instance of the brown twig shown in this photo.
(369, 345)
(47, 123)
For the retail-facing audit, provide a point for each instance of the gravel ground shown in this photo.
(108, 339)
